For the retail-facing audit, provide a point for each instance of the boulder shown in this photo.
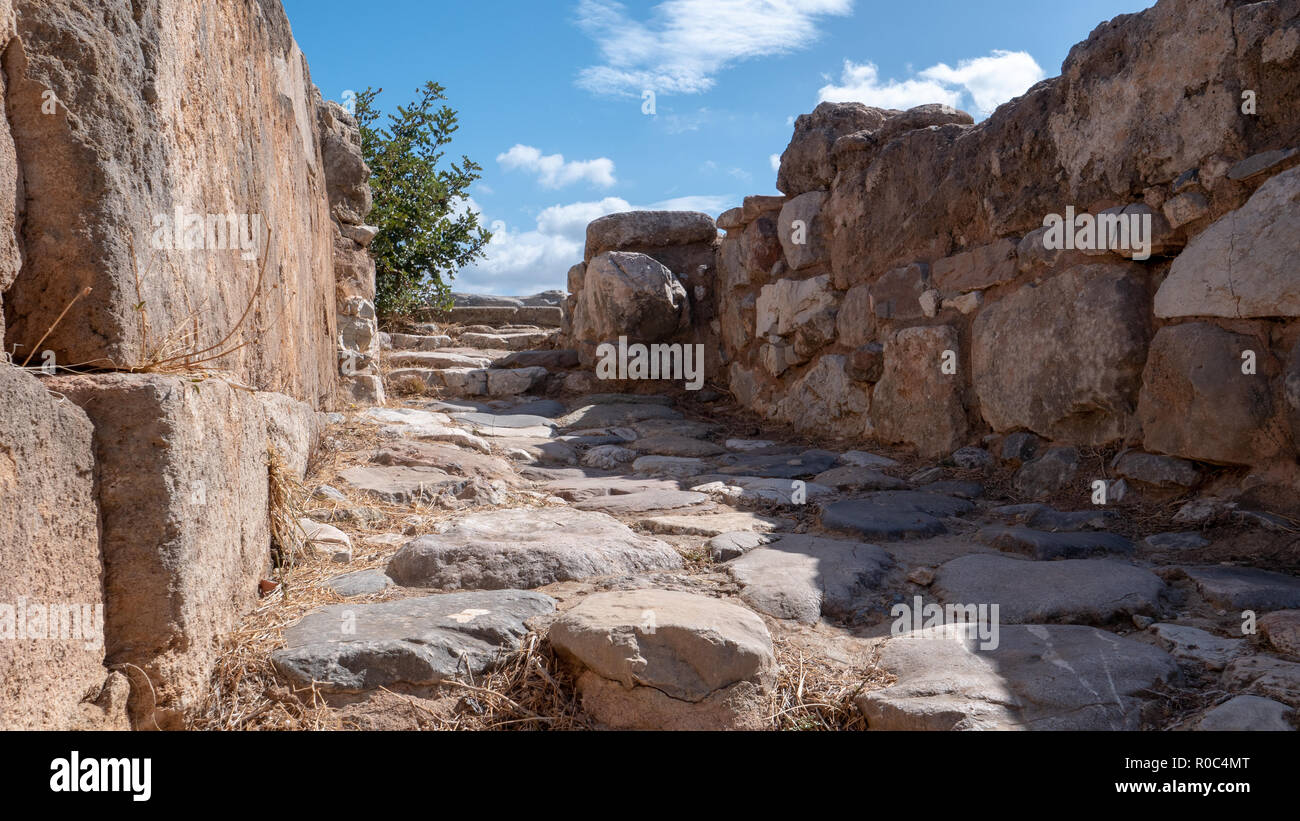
(647, 229)
(629, 295)
(1243, 264)
(915, 401)
(1064, 358)
(1196, 402)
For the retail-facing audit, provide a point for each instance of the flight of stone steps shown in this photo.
(483, 346)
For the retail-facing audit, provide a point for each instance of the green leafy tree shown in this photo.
(426, 233)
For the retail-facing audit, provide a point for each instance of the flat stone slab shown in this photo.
(514, 424)
(446, 457)
(360, 583)
(359, 647)
(804, 577)
(403, 416)
(850, 477)
(436, 360)
(1182, 540)
(401, 485)
(1251, 713)
(526, 549)
(783, 465)
(674, 445)
(756, 489)
(534, 451)
(1070, 590)
(727, 546)
(625, 503)
(1042, 545)
(1040, 677)
(893, 514)
(438, 433)
(548, 408)
(607, 415)
(1196, 645)
(685, 645)
(1246, 588)
(676, 466)
(712, 524)
(581, 489)
(863, 459)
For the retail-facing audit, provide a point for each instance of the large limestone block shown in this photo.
(1196, 402)
(1064, 359)
(130, 147)
(802, 230)
(182, 479)
(824, 399)
(637, 230)
(800, 308)
(1243, 265)
(53, 654)
(629, 295)
(915, 401)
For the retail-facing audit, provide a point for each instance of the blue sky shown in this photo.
(551, 93)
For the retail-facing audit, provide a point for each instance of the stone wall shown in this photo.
(923, 244)
(135, 488)
(120, 115)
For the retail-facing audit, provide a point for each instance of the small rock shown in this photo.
(727, 546)
(923, 576)
(1246, 588)
(608, 457)
(1048, 473)
(1247, 713)
(1282, 629)
(972, 458)
(1019, 447)
(1142, 622)
(327, 539)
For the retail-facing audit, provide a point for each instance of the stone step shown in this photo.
(460, 382)
(414, 342)
(511, 341)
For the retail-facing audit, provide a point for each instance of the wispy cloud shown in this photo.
(684, 44)
(987, 81)
(537, 259)
(553, 171)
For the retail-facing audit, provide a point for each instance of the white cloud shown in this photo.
(989, 82)
(526, 262)
(554, 172)
(992, 80)
(684, 43)
(775, 161)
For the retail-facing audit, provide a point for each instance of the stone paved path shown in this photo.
(668, 559)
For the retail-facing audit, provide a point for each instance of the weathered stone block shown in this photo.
(183, 496)
(916, 401)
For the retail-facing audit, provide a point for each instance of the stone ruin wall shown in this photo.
(925, 235)
(147, 492)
